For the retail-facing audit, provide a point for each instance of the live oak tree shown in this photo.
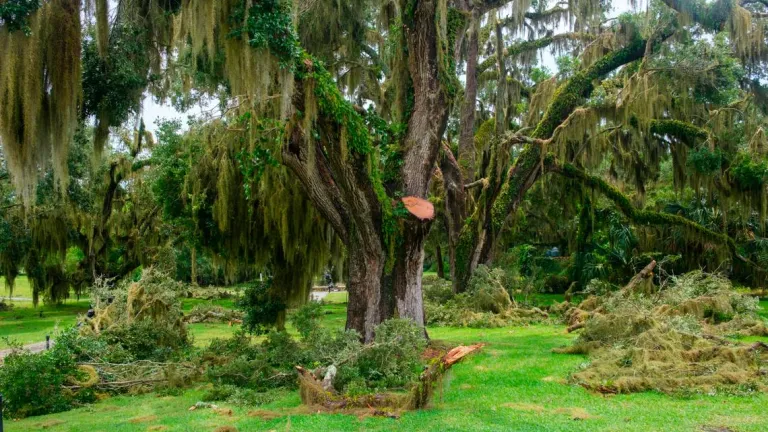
(353, 100)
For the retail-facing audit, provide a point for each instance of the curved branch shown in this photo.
(683, 131)
(646, 217)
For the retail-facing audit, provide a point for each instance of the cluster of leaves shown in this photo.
(268, 25)
(15, 14)
(31, 384)
(704, 161)
(261, 307)
(113, 86)
(748, 173)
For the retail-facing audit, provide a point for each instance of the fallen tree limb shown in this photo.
(641, 277)
(313, 392)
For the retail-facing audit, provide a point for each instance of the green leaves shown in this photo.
(268, 25)
(749, 174)
(15, 14)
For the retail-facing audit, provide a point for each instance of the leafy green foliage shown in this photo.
(306, 319)
(261, 307)
(705, 161)
(113, 87)
(268, 26)
(748, 173)
(31, 384)
(15, 14)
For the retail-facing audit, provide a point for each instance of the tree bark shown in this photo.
(421, 145)
(467, 125)
(440, 265)
(455, 207)
(194, 266)
(366, 265)
(408, 272)
(342, 187)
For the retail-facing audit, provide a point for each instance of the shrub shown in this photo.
(438, 292)
(306, 318)
(261, 308)
(487, 290)
(32, 383)
(393, 360)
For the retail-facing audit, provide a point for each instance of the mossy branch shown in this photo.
(683, 131)
(519, 48)
(645, 217)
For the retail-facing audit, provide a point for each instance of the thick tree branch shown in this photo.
(498, 203)
(646, 217)
(519, 48)
(376, 58)
(683, 131)
(467, 123)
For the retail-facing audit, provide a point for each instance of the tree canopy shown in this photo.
(648, 140)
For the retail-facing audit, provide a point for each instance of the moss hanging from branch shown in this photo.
(646, 217)
(40, 92)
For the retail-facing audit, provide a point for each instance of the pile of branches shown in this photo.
(210, 313)
(209, 293)
(319, 393)
(137, 377)
(486, 303)
(154, 302)
(682, 337)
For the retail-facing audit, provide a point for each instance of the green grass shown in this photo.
(336, 297)
(763, 312)
(515, 384)
(23, 323)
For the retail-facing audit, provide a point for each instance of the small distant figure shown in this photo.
(552, 253)
(329, 280)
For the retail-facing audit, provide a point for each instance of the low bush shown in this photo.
(391, 361)
(261, 307)
(33, 384)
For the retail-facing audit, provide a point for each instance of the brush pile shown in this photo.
(134, 314)
(682, 337)
(486, 304)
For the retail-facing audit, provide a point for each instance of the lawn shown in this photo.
(515, 384)
(25, 324)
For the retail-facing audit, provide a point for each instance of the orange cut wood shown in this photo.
(419, 207)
